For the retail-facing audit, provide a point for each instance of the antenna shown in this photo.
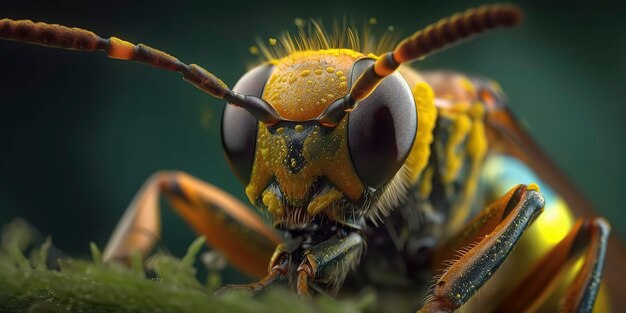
(58, 36)
(433, 38)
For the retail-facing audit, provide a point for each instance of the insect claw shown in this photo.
(278, 271)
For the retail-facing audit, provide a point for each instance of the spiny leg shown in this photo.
(279, 266)
(317, 265)
(278, 269)
(540, 282)
(228, 225)
(478, 228)
(327, 263)
(510, 137)
(502, 224)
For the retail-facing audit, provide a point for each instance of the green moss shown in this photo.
(27, 285)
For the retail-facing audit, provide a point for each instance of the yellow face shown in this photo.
(301, 169)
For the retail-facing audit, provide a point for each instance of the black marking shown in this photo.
(294, 161)
(513, 201)
(445, 196)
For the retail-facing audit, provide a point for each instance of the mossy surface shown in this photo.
(27, 284)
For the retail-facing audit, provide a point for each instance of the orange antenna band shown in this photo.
(436, 37)
(58, 36)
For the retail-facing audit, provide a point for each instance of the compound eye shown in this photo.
(382, 128)
(239, 127)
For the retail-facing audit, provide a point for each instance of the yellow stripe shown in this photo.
(426, 119)
(459, 130)
(476, 150)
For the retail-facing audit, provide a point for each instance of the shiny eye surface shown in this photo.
(382, 128)
(239, 127)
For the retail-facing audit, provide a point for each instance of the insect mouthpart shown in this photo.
(300, 169)
(322, 200)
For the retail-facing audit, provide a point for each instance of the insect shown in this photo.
(360, 162)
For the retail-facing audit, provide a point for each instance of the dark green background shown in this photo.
(79, 133)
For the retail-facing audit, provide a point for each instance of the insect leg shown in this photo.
(503, 223)
(531, 292)
(228, 225)
(329, 262)
(509, 136)
(279, 266)
(476, 229)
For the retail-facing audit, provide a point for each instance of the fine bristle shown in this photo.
(313, 35)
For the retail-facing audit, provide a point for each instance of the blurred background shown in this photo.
(79, 133)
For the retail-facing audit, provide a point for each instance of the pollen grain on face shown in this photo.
(322, 155)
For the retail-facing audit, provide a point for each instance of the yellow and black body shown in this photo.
(374, 175)
(298, 168)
